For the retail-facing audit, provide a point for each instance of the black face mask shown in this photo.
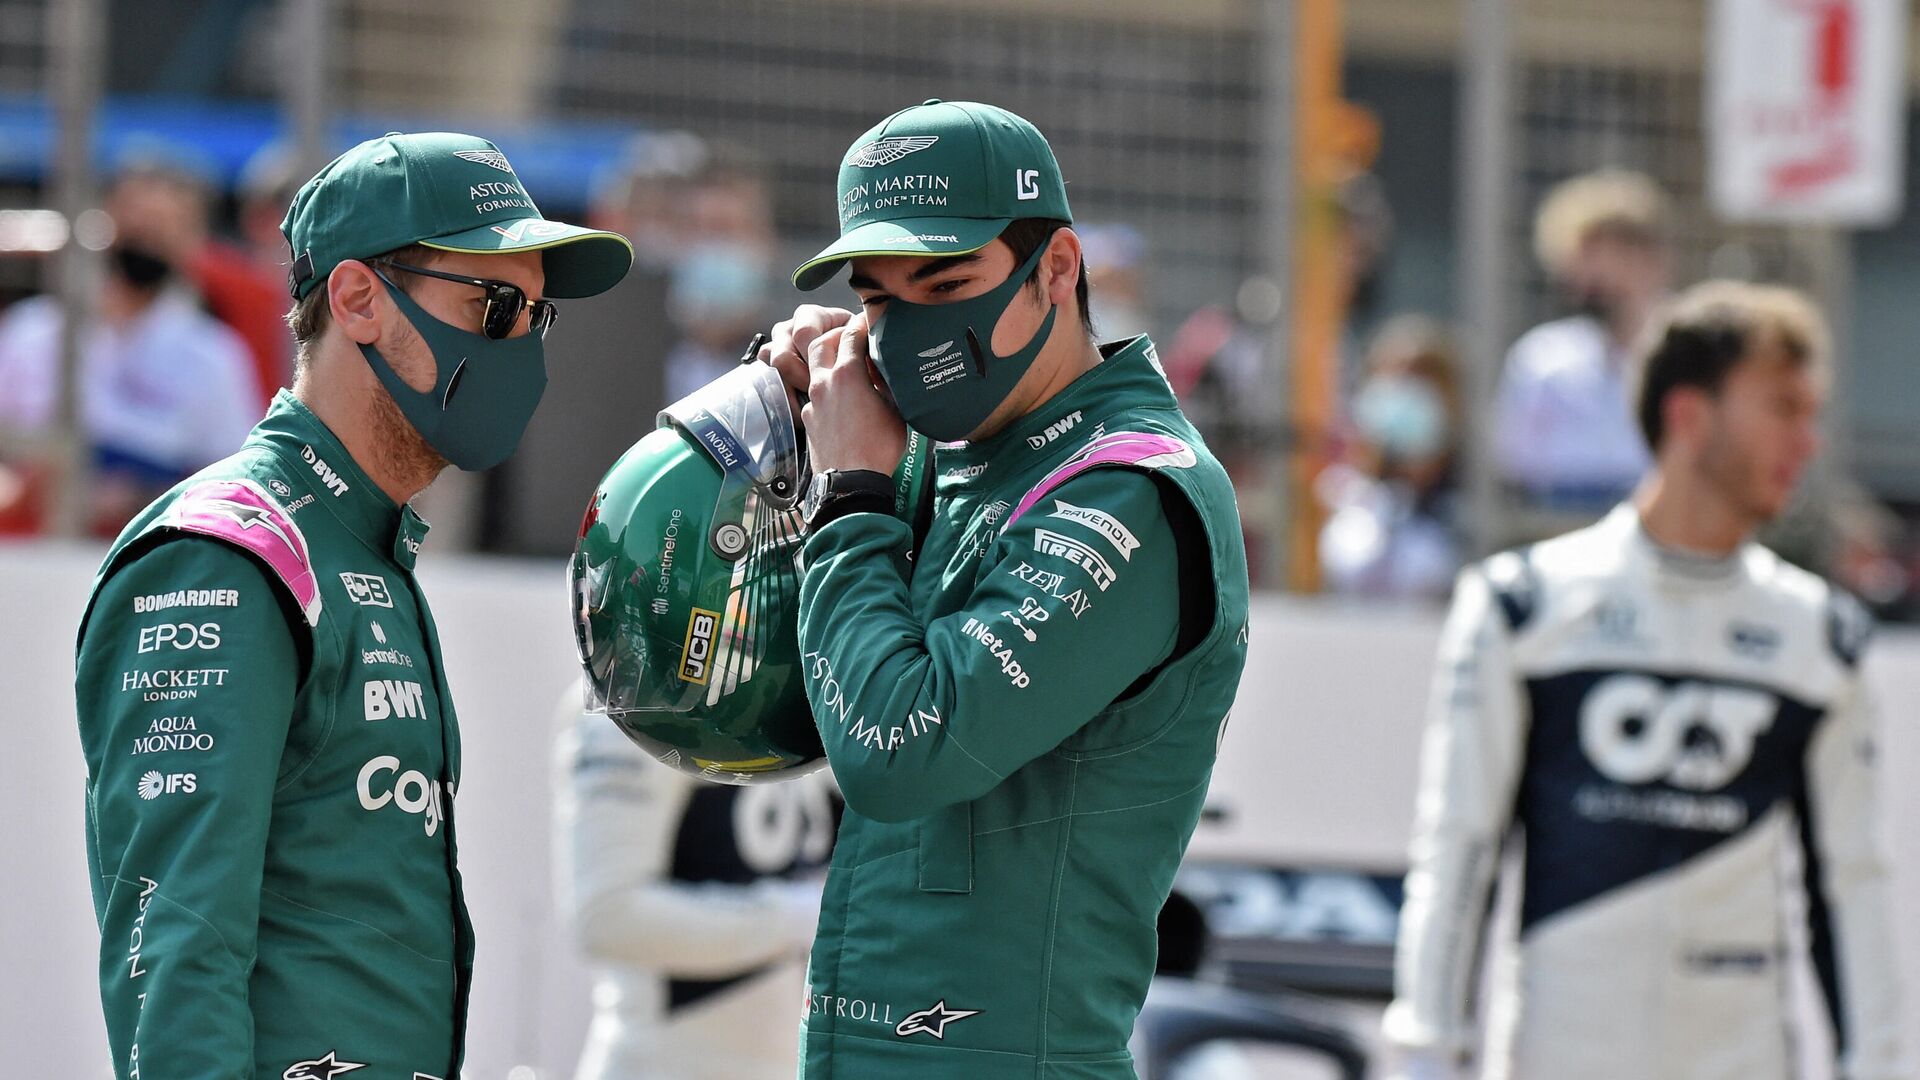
(141, 268)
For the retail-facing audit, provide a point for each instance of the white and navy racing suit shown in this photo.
(695, 904)
(1656, 733)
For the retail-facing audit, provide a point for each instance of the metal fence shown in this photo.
(1153, 121)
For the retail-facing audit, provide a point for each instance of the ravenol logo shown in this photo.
(695, 662)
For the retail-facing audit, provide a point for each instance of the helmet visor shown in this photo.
(744, 420)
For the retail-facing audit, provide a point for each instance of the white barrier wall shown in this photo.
(1318, 764)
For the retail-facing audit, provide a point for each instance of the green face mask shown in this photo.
(486, 391)
(939, 362)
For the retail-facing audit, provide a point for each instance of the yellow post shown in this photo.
(1336, 141)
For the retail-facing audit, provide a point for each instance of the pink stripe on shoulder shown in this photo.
(242, 514)
(1137, 449)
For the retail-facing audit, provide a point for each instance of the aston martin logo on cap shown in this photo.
(889, 150)
(490, 158)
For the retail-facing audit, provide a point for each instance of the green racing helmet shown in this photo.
(686, 587)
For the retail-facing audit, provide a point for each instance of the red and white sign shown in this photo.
(1805, 110)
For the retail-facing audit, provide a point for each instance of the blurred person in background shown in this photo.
(1117, 281)
(1661, 713)
(1391, 530)
(264, 190)
(165, 209)
(272, 752)
(164, 389)
(703, 227)
(1563, 427)
(616, 347)
(722, 275)
(718, 297)
(695, 904)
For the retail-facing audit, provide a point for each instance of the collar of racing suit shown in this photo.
(1129, 366)
(334, 480)
(1674, 566)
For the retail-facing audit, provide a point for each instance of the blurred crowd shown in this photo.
(186, 342)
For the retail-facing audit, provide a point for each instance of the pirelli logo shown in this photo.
(697, 657)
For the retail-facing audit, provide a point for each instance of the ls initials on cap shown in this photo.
(1026, 184)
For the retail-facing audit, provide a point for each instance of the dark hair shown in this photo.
(1024, 236)
(1713, 328)
(309, 315)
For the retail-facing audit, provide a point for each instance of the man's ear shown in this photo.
(353, 296)
(1060, 267)
(1685, 415)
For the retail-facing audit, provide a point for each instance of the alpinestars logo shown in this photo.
(932, 1021)
(250, 517)
(321, 1068)
(492, 159)
(889, 150)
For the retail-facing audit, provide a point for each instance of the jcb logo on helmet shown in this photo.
(696, 661)
(1693, 735)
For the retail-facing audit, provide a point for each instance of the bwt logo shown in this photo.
(154, 784)
(695, 665)
(1054, 430)
(394, 697)
(324, 471)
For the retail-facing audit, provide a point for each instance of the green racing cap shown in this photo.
(940, 178)
(444, 190)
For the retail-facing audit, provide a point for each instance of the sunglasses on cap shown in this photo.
(505, 301)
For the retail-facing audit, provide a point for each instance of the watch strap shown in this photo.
(851, 491)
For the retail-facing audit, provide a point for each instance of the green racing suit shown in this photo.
(1023, 716)
(271, 760)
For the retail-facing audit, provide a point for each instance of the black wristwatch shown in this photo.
(836, 492)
